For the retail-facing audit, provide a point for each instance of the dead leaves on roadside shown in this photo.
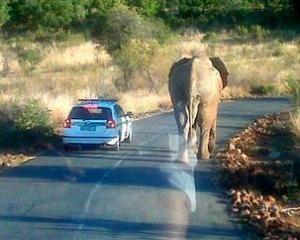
(12, 160)
(264, 212)
(242, 162)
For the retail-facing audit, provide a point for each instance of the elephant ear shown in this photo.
(221, 67)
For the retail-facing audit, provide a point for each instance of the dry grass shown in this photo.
(256, 64)
(233, 91)
(138, 102)
(143, 101)
(76, 56)
(85, 70)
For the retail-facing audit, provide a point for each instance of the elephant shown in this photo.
(195, 86)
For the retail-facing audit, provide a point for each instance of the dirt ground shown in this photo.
(260, 170)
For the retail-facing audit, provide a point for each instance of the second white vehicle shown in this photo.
(97, 121)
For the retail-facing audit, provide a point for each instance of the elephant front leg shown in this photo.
(212, 138)
(181, 116)
(192, 141)
(203, 152)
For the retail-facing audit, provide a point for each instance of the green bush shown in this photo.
(293, 88)
(132, 40)
(211, 37)
(3, 12)
(123, 24)
(34, 119)
(100, 7)
(254, 32)
(24, 125)
(43, 14)
(262, 90)
(149, 8)
(28, 58)
(136, 56)
(9, 112)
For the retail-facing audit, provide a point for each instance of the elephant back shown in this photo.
(180, 77)
(205, 81)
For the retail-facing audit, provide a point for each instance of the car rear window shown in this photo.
(99, 113)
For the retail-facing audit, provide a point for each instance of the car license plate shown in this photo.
(88, 128)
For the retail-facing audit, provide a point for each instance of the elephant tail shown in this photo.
(190, 102)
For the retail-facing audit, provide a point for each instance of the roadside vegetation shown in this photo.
(260, 168)
(24, 123)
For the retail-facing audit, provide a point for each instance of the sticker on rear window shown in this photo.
(95, 110)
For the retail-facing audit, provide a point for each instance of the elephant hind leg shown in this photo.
(207, 121)
(193, 134)
(203, 152)
(212, 138)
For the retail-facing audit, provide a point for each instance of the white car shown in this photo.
(96, 121)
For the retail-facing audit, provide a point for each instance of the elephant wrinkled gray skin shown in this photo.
(195, 86)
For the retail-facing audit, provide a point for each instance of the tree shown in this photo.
(296, 8)
(137, 55)
(131, 39)
(121, 25)
(46, 15)
(3, 12)
(100, 7)
(149, 8)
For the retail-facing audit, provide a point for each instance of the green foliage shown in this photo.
(136, 56)
(34, 117)
(149, 8)
(3, 12)
(201, 11)
(28, 58)
(254, 32)
(231, 12)
(100, 7)
(47, 17)
(123, 24)
(293, 88)
(211, 38)
(24, 125)
(44, 14)
(131, 39)
(262, 90)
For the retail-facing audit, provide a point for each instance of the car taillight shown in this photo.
(110, 123)
(67, 123)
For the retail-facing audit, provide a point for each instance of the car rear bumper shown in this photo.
(90, 140)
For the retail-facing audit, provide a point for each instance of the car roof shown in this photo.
(98, 102)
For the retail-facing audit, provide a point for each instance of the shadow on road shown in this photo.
(140, 230)
(130, 176)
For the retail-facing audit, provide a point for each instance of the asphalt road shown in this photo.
(141, 192)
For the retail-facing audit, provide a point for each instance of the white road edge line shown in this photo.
(152, 115)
